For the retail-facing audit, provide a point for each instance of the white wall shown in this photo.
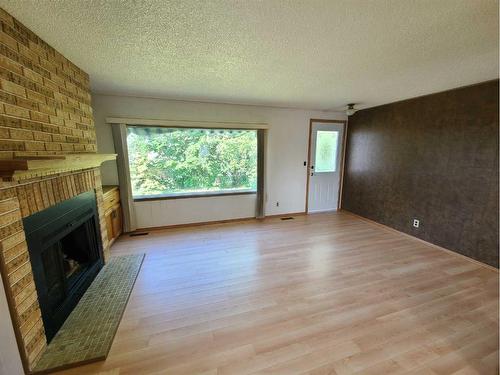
(10, 360)
(190, 210)
(286, 152)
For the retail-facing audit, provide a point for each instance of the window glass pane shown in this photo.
(326, 151)
(183, 161)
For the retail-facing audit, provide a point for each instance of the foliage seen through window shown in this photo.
(185, 161)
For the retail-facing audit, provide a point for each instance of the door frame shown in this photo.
(342, 158)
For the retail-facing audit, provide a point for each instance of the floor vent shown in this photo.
(138, 234)
(287, 218)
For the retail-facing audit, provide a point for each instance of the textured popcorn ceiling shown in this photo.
(318, 54)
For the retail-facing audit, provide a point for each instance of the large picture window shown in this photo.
(179, 162)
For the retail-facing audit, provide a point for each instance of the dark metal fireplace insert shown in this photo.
(65, 248)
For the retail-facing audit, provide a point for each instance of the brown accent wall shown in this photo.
(434, 158)
(44, 98)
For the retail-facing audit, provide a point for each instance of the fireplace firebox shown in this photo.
(65, 250)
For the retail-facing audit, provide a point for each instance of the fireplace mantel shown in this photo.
(17, 169)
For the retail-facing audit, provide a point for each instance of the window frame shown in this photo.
(219, 193)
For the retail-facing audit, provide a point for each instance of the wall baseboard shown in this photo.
(215, 222)
(387, 228)
(301, 213)
(195, 224)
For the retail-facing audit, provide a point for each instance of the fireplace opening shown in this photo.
(65, 250)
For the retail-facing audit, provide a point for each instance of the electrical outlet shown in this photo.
(277, 204)
(416, 223)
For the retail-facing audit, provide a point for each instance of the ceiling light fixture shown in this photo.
(350, 109)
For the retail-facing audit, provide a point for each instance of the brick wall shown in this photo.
(44, 110)
(44, 98)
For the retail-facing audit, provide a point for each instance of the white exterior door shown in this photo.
(324, 167)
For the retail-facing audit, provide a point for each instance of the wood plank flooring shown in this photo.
(321, 294)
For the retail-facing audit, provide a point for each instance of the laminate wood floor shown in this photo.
(321, 294)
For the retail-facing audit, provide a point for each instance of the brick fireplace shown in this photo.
(18, 202)
(47, 156)
(65, 251)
